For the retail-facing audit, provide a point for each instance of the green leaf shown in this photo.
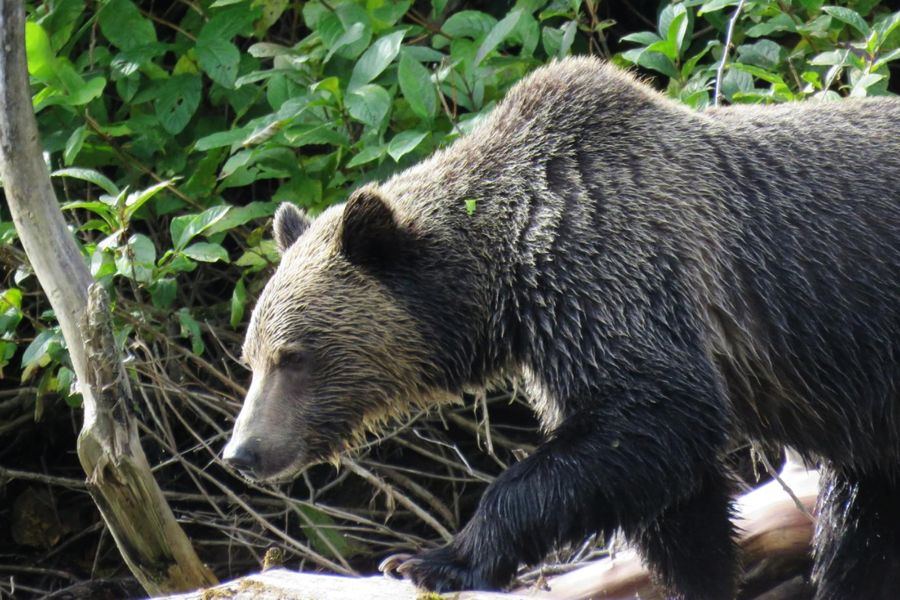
(253, 261)
(137, 199)
(351, 36)
(219, 59)
(226, 24)
(405, 142)
(332, 25)
(38, 353)
(91, 176)
(102, 264)
(665, 47)
(74, 144)
(321, 133)
(221, 138)
(498, 34)
(137, 259)
(862, 85)
(526, 34)
(98, 208)
(366, 155)
(268, 50)
(41, 58)
(471, 205)
(387, 15)
(688, 67)
(11, 299)
(782, 22)
(716, 5)
(271, 11)
(437, 7)
(62, 19)
(129, 61)
(848, 16)
(416, 86)
(569, 29)
(123, 25)
(644, 38)
(652, 60)
(191, 328)
(758, 72)
(677, 30)
(240, 215)
(181, 264)
(238, 303)
(375, 60)
(886, 58)
(10, 310)
(882, 28)
(184, 228)
(763, 53)
(735, 81)
(324, 534)
(163, 292)
(7, 352)
(84, 93)
(177, 102)
(207, 252)
(369, 104)
(468, 23)
(831, 57)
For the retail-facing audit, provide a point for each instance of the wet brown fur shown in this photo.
(663, 279)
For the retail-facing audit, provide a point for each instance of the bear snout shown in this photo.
(243, 457)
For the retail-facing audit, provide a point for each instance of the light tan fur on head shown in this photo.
(354, 355)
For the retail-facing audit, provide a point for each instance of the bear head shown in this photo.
(333, 348)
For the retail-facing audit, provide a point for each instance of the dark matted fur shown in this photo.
(663, 280)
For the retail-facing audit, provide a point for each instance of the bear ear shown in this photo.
(370, 234)
(290, 223)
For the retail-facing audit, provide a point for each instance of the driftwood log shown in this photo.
(775, 535)
(152, 543)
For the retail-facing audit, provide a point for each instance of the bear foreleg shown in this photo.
(647, 466)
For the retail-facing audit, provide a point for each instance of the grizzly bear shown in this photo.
(665, 281)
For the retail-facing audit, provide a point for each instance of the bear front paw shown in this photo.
(444, 570)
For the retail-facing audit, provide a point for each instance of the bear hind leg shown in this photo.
(857, 545)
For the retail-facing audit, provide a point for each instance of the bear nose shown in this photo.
(244, 458)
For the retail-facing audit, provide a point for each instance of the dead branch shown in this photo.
(774, 532)
(118, 476)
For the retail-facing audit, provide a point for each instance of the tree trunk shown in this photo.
(152, 543)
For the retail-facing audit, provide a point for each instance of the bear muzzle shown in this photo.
(243, 457)
(265, 445)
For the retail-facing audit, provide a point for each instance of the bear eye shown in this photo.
(291, 357)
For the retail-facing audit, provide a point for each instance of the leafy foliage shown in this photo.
(783, 51)
(189, 125)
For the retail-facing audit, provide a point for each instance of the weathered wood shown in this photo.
(152, 543)
(281, 584)
(773, 531)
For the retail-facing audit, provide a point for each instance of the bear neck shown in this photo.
(519, 215)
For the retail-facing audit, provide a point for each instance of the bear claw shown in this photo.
(394, 566)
